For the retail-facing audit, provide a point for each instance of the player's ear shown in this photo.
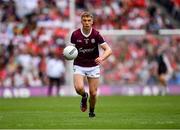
(81, 21)
(92, 22)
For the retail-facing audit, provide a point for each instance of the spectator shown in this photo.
(55, 72)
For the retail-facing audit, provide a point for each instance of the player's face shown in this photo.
(87, 22)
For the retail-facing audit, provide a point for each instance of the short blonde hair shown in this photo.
(86, 14)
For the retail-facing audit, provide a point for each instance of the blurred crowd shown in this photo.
(33, 35)
(126, 14)
(172, 6)
(134, 59)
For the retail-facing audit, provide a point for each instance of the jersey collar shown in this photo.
(86, 35)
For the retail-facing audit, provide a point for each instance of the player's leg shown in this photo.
(50, 86)
(79, 84)
(79, 87)
(93, 85)
(58, 86)
(163, 84)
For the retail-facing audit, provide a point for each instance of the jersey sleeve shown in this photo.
(100, 39)
(73, 38)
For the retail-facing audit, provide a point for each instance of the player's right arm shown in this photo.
(72, 39)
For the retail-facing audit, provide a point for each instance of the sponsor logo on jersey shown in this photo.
(86, 50)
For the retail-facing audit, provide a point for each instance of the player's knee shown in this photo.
(79, 89)
(93, 93)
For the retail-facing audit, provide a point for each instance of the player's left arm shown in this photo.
(168, 64)
(107, 52)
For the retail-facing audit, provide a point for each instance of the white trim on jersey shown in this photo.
(103, 43)
(85, 34)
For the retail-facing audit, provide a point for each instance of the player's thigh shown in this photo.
(162, 78)
(51, 81)
(93, 85)
(78, 81)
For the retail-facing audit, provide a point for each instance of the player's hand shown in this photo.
(99, 60)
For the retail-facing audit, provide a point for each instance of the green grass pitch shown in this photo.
(112, 112)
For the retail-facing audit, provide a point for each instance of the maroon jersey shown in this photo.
(87, 46)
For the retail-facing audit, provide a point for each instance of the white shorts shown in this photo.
(168, 76)
(93, 72)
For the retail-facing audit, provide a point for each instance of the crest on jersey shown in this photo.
(93, 40)
(86, 40)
